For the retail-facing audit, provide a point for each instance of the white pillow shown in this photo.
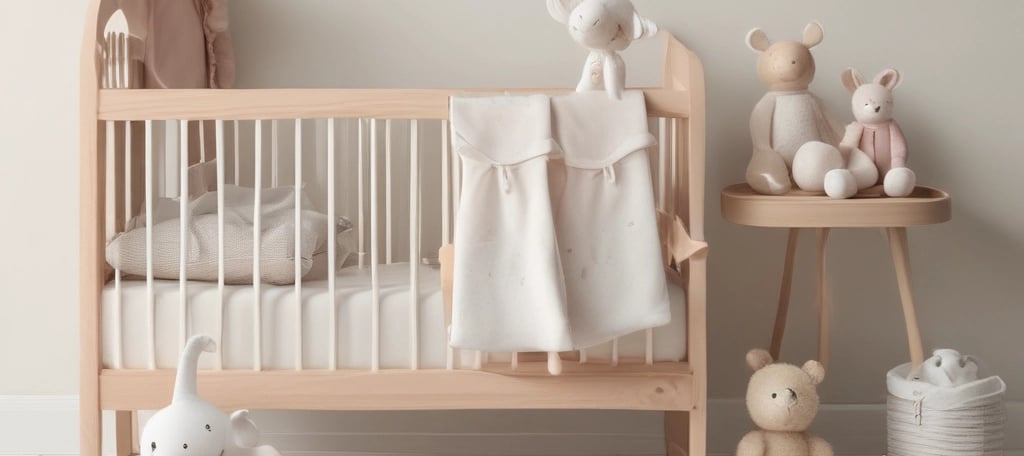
(127, 251)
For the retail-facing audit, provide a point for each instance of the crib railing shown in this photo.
(125, 112)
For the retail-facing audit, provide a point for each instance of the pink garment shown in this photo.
(886, 146)
(188, 46)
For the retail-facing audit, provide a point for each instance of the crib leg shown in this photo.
(677, 433)
(782, 312)
(699, 430)
(124, 433)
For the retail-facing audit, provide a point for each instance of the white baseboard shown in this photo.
(48, 425)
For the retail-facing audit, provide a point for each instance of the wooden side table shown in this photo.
(800, 210)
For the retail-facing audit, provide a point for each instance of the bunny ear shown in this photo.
(758, 41)
(560, 10)
(852, 79)
(889, 78)
(643, 27)
(814, 34)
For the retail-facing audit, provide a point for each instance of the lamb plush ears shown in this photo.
(643, 27)
(815, 370)
(889, 78)
(758, 358)
(561, 9)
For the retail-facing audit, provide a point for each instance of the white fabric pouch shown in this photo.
(508, 293)
(607, 223)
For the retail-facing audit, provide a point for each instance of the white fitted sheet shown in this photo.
(354, 301)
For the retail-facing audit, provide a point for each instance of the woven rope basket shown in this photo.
(929, 420)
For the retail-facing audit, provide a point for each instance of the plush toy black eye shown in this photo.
(208, 428)
(184, 446)
(774, 395)
(152, 446)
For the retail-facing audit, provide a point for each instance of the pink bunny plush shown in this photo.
(876, 133)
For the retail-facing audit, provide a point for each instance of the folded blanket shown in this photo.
(127, 251)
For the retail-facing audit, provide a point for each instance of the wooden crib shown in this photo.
(118, 180)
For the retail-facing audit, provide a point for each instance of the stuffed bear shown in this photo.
(604, 27)
(782, 400)
(876, 133)
(792, 132)
(191, 426)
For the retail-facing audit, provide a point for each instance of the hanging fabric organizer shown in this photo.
(556, 243)
(607, 224)
(508, 293)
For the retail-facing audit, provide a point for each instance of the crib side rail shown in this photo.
(265, 104)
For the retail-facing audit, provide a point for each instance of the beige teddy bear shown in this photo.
(782, 400)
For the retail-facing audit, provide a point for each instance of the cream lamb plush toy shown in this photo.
(190, 426)
(782, 400)
(604, 27)
(876, 133)
(792, 131)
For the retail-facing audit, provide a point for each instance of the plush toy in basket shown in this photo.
(604, 27)
(782, 400)
(191, 426)
(793, 133)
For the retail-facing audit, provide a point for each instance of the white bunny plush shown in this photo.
(604, 27)
(876, 133)
(190, 426)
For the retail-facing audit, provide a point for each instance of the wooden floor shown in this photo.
(662, 386)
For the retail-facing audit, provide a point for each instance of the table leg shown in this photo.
(900, 249)
(782, 312)
(823, 298)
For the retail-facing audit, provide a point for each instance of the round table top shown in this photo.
(798, 209)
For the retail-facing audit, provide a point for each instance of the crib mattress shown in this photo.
(354, 300)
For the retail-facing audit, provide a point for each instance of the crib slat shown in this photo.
(361, 195)
(332, 230)
(184, 238)
(112, 219)
(414, 243)
(446, 222)
(237, 157)
(663, 146)
(389, 207)
(128, 209)
(298, 244)
(257, 241)
(219, 132)
(274, 153)
(150, 294)
(374, 254)
(202, 142)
